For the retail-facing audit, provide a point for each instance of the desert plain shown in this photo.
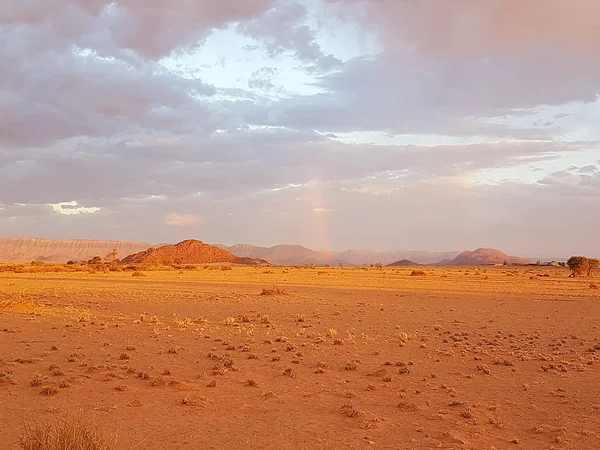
(305, 358)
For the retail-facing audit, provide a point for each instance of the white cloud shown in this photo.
(73, 208)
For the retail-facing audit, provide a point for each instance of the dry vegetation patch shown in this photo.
(273, 291)
(417, 273)
(64, 434)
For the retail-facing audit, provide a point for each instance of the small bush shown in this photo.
(50, 390)
(351, 365)
(417, 273)
(594, 286)
(273, 291)
(61, 434)
(137, 273)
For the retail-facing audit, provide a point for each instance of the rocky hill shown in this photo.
(188, 252)
(403, 263)
(484, 256)
(24, 249)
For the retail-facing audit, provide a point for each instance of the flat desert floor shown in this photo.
(494, 358)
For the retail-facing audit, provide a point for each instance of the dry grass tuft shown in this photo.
(62, 434)
(273, 291)
(594, 286)
(351, 365)
(51, 390)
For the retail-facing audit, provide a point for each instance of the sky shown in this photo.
(334, 124)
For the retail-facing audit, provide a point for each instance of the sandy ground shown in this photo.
(459, 358)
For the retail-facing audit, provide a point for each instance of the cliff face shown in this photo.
(22, 249)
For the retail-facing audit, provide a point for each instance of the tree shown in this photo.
(592, 265)
(579, 266)
(95, 260)
(112, 256)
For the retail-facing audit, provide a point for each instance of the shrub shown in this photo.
(581, 266)
(95, 260)
(273, 291)
(417, 273)
(61, 434)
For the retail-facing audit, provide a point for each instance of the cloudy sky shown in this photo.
(379, 124)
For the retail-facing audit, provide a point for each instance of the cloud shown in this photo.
(263, 78)
(73, 208)
(97, 106)
(448, 67)
(408, 93)
(181, 220)
(284, 28)
(438, 214)
(375, 190)
(501, 27)
(110, 27)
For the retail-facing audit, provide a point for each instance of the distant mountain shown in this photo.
(56, 251)
(298, 255)
(188, 252)
(483, 256)
(282, 254)
(24, 249)
(402, 262)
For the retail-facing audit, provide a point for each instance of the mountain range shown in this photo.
(298, 255)
(25, 249)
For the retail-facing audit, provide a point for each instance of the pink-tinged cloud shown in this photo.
(488, 27)
(152, 28)
(181, 220)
